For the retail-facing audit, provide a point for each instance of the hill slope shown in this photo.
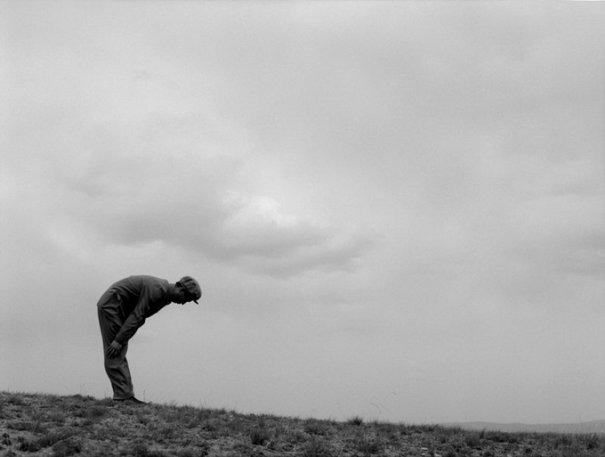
(47, 425)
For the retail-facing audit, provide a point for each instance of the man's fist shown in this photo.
(113, 349)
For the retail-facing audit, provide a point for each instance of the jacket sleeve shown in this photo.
(136, 318)
(132, 323)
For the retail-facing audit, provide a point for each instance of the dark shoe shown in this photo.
(131, 400)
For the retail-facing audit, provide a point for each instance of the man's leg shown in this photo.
(116, 368)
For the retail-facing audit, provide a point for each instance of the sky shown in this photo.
(396, 210)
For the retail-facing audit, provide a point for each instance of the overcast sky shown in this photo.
(396, 210)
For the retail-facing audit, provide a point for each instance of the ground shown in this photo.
(59, 426)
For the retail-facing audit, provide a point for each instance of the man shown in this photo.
(122, 310)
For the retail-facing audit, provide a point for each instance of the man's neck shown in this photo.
(172, 292)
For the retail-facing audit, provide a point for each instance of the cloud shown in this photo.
(257, 229)
(251, 232)
(176, 180)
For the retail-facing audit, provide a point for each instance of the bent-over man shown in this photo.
(123, 309)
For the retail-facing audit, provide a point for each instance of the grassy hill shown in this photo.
(55, 426)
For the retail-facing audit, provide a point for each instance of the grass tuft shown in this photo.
(260, 436)
(96, 412)
(316, 427)
(355, 421)
(368, 445)
(67, 447)
(140, 449)
(317, 448)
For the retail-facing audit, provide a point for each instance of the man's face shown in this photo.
(182, 296)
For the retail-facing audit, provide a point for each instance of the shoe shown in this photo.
(131, 400)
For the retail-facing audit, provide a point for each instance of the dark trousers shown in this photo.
(116, 368)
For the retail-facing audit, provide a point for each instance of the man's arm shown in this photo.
(127, 331)
(131, 324)
(150, 296)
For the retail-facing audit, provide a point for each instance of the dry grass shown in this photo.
(46, 425)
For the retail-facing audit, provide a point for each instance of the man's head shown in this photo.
(190, 288)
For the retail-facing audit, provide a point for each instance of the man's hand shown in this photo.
(113, 349)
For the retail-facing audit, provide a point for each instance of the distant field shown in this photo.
(580, 427)
(54, 426)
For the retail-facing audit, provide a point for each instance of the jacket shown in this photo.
(132, 300)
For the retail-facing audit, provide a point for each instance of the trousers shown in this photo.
(110, 322)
